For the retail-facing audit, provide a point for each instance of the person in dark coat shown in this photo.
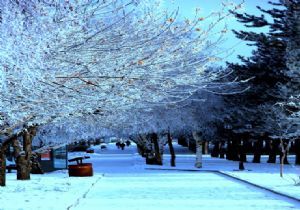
(128, 143)
(122, 145)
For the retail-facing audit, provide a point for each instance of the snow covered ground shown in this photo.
(168, 191)
(49, 191)
(122, 181)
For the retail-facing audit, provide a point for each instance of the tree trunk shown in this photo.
(229, 150)
(241, 165)
(141, 150)
(3, 165)
(232, 150)
(242, 155)
(3, 149)
(23, 161)
(292, 147)
(182, 141)
(23, 172)
(205, 147)
(243, 150)
(284, 145)
(235, 150)
(172, 152)
(222, 150)
(273, 146)
(297, 151)
(141, 146)
(36, 167)
(192, 145)
(198, 163)
(23, 169)
(257, 151)
(198, 138)
(157, 154)
(216, 149)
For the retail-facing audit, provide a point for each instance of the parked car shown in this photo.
(90, 150)
(103, 146)
(78, 147)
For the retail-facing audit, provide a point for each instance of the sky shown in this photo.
(187, 8)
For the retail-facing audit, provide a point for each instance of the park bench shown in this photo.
(78, 159)
(11, 167)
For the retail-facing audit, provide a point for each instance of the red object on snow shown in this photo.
(84, 169)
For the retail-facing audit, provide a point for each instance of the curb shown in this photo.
(187, 170)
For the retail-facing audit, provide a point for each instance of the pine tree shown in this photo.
(290, 115)
(250, 111)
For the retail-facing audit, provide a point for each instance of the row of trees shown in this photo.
(128, 68)
(269, 109)
(77, 58)
(62, 58)
(141, 126)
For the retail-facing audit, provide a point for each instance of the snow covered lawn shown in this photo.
(49, 191)
(286, 185)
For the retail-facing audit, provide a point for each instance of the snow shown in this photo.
(175, 191)
(50, 191)
(42, 55)
(122, 181)
(288, 185)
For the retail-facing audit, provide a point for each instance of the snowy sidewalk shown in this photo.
(170, 191)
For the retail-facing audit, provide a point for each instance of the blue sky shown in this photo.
(187, 8)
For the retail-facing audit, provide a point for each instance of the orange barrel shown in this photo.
(84, 169)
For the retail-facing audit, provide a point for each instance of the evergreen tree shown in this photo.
(290, 91)
(290, 107)
(267, 66)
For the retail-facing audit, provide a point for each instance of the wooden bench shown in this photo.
(11, 167)
(78, 159)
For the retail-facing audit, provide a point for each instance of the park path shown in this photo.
(123, 186)
(177, 191)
